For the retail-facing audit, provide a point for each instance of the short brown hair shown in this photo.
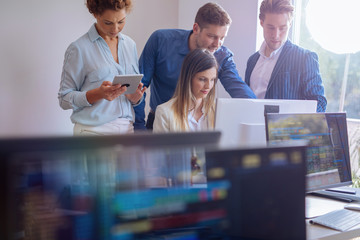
(98, 7)
(277, 7)
(212, 13)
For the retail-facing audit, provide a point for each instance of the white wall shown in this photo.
(148, 16)
(35, 35)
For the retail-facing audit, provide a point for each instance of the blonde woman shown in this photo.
(192, 108)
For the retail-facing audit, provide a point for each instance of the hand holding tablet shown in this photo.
(130, 81)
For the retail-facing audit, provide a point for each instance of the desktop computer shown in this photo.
(328, 160)
(242, 123)
(327, 163)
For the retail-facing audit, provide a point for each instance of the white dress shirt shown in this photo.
(165, 120)
(263, 69)
(200, 125)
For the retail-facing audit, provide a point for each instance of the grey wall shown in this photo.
(35, 35)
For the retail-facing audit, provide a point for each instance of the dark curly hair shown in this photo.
(98, 7)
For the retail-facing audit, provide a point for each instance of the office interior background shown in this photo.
(35, 35)
(35, 39)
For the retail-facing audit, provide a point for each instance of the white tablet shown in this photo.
(131, 81)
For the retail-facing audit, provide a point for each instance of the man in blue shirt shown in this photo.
(163, 54)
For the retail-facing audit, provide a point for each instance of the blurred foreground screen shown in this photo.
(144, 186)
(149, 186)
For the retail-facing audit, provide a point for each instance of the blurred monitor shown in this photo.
(261, 203)
(328, 161)
(137, 186)
(242, 123)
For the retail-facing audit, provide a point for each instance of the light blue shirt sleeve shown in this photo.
(72, 81)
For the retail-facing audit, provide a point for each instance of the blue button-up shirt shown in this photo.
(161, 61)
(88, 62)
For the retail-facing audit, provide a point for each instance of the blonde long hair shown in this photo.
(196, 61)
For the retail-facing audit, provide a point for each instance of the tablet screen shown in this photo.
(130, 81)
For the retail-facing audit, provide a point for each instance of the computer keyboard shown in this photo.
(341, 220)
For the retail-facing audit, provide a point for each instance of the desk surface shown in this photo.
(316, 206)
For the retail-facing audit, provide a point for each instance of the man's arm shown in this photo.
(230, 78)
(147, 64)
(312, 82)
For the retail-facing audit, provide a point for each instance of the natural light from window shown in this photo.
(331, 22)
(331, 29)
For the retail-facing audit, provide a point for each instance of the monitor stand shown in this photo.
(345, 194)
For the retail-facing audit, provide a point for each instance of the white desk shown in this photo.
(316, 206)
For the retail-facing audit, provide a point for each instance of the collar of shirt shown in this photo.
(261, 74)
(184, 48)
(201, 124)
(94, 35)
(273, 53)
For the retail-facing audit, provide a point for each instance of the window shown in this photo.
(328, 28)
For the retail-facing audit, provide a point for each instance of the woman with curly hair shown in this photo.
(192, 108)
(90, 64)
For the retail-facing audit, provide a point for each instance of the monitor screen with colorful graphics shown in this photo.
(328, 160)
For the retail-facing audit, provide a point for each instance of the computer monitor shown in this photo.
(328, 161)
(266, 195)
(107, 187)
(242, 123)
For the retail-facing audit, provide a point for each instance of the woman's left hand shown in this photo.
(137, 95)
